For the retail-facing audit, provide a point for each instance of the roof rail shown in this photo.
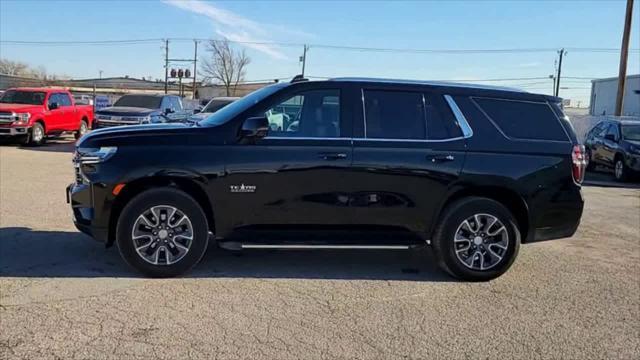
(298, 78)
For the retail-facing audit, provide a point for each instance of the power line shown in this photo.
(324, 46)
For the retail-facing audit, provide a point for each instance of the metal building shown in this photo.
(604, 92)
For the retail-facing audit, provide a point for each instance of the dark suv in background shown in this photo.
(472, 172)
(615, 144)
(136, 109)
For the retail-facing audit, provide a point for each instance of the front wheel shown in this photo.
(162, 232)
(36, 135)
(477, 239)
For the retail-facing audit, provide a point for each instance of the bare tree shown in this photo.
(224, 65)
(15, 68)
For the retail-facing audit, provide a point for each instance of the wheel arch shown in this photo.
(513, 201)
(133, 188)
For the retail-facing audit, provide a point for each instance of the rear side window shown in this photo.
(394, 115)
(408, 115)
(523, 119)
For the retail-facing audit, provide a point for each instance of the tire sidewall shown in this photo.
(146, 200)
(623, 176)
(31, 140)
(80, 133)
(454, 216)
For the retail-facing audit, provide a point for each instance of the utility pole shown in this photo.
(166, 66)
(561, 52)
(624, 53)
(303, 58)
(100, 72)
(195, 69)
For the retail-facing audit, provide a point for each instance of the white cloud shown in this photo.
(235, 27)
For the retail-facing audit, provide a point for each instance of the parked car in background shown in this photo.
(32, 114)
(615, 144)
(212, 106)
(371, 163)
(135, 109)
(83, 99)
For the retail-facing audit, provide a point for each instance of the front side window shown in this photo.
(613, 131)
(54, 98)
(314, 113)
(64, 99)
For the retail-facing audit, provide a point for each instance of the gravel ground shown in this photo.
(63, 295)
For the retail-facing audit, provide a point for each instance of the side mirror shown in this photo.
(610, 137)
(255, 127)
(53, 106)
(197, 110)
(168, 111)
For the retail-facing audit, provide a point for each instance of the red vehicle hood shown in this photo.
(20, 107)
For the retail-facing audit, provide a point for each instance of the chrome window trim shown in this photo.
(364, 112)
(360, 139)
(467, 131)
(305, 138)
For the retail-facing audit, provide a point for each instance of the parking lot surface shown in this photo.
(63, 295)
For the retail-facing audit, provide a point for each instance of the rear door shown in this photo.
(408, 149)
(295, 175)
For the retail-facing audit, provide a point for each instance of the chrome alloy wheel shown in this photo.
(481, 242)
(162, 235)
(619, 169)
(38, 134)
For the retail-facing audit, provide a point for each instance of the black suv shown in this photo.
(138, 109)
(616, 144)
(355, 163)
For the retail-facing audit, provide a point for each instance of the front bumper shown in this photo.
(80, 196)
(633, 162)
(14, 131)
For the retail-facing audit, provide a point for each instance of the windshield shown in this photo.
(23, 97)
(215, 105)
(228, 112)
(631, 132)
(141, 101)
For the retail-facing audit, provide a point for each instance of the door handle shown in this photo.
(440, 158)
(332, 156)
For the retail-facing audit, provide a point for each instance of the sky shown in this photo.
(454, 25)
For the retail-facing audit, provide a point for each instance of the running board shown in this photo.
(332, 247)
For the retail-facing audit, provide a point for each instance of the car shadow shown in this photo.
(602, 176)
(31, 253)
(55, 144)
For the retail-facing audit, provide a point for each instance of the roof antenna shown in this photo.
(298, 78)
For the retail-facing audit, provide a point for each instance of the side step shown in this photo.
(232, 245)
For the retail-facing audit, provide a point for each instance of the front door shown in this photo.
(407, 152)
(295, 175)
(55, 113)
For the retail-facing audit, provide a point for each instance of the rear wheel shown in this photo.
(162, 232)
(82, 130)
(477, 239)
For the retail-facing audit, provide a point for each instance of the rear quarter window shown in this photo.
(523, 119)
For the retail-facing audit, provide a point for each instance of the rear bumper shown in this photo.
(14, 131)
(559, 219)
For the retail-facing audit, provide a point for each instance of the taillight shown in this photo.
(579, 163)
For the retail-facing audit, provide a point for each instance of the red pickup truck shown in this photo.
(35, 113)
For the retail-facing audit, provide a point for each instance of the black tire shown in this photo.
(84, 127)
(622, 174)
(34, 138)
(156, 197)
(453, 216)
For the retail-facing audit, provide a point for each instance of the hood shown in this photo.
(20, 107)
(633, 142)
(132, 131)
(126, 110)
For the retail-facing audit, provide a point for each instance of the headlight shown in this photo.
(634, 149)
(95, 155)
(22, 118)
(145, 120)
